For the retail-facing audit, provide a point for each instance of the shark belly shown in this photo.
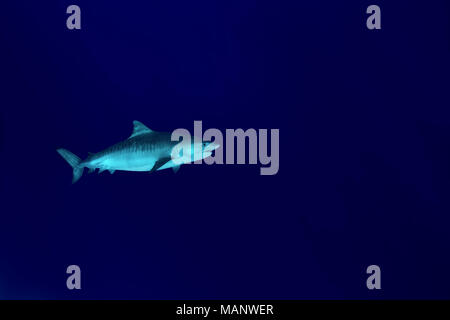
(127, 161)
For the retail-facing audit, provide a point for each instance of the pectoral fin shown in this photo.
(160, 163)
(176, 168)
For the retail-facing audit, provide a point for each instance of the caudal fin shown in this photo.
(74, 161)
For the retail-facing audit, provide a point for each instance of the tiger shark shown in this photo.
(144, 150)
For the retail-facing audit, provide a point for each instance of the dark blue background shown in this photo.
(364, 152)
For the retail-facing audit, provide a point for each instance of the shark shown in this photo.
(144, 150)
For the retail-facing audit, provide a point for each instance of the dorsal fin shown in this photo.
(138, 129)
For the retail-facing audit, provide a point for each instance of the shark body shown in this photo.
(144, 150)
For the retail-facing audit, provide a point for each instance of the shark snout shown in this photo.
(211, 146)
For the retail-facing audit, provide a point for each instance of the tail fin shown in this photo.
(74, 161)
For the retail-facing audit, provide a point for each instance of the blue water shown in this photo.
(364, 149)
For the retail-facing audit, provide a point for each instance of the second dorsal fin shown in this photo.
(138, 129)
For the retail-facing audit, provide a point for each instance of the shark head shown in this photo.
(208, 146)
(196, 149)
(202, 149)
